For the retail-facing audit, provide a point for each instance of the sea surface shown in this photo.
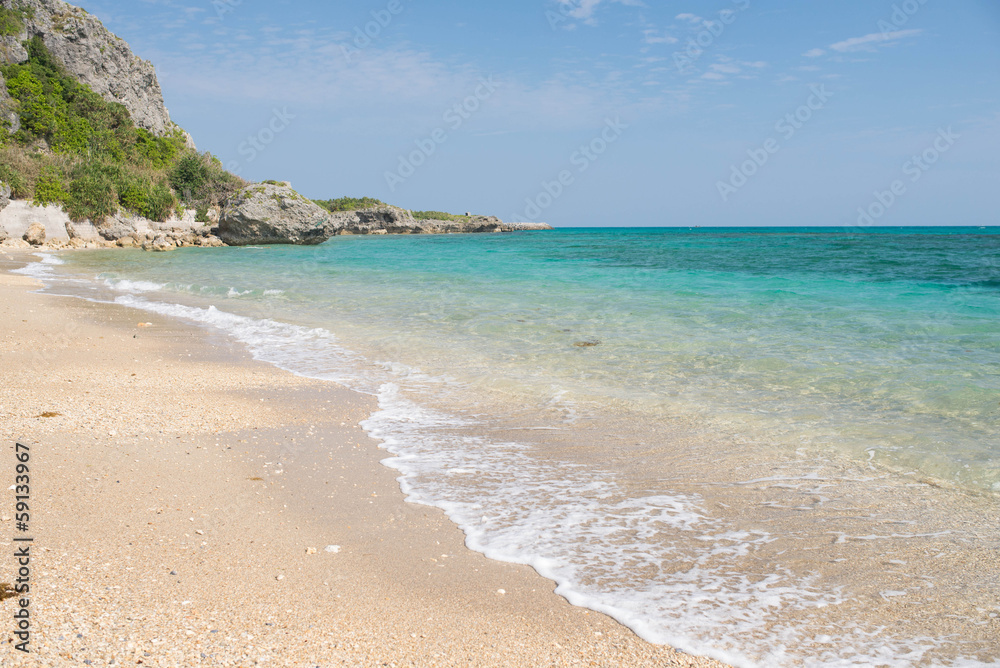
(776, 447)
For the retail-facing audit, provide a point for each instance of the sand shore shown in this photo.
(184, 496)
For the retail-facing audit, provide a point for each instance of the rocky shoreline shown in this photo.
(261, 213)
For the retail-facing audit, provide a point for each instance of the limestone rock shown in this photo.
(162, 244)
(117, 226)
(35, 234)
(526, 227)
(95, 57)
(263, 213)
(393, 220)
(4, 195)
(3, 233)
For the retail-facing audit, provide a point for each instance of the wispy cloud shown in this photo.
(870, 42)
(873, 41)
(725, 67)
(690, 18)
(584, 10)
(652, 36)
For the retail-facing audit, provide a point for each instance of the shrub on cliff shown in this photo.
(349, 203)
(437, 215)
(12, 20)
(200, 179)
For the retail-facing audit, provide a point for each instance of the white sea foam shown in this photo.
(125, 285)
(41, 269)
(305, 351)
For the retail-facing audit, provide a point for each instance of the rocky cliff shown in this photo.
(92, 54)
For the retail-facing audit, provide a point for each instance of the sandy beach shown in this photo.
(192, 506)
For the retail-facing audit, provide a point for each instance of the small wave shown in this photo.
(126, 285)
(40, 269)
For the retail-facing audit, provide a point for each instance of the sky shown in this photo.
(596, 112)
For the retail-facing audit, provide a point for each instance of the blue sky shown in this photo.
(596, 112)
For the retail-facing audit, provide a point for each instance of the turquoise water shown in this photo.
(757, 444)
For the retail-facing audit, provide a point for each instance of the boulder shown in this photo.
(4, 195)
(3, 233)
(35, 234)
(263, 213)
(117, 226)
(162, 244)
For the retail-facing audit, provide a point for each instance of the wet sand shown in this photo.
(184, 497)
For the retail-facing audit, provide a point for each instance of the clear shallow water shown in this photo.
(777, 448)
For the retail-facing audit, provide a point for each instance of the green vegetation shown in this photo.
(355, 204)
(12, 20)
(349, 203)
(437, 215)
(76, 149)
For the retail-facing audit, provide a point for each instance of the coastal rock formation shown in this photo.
(35, 235)
(264, 213)
(4, 195)
(93, 55)
(526, 227)
(393, 220)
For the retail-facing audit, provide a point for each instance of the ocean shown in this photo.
(776, 447)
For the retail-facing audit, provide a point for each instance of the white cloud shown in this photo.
(654, 37)
(725, 67)
(693, 18)
(584, 9)
(872, 41)
(814, 53)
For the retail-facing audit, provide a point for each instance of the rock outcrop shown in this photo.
(393, 220)
(4, 195)
(93, 55)
(263, 213)
(35, 235)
